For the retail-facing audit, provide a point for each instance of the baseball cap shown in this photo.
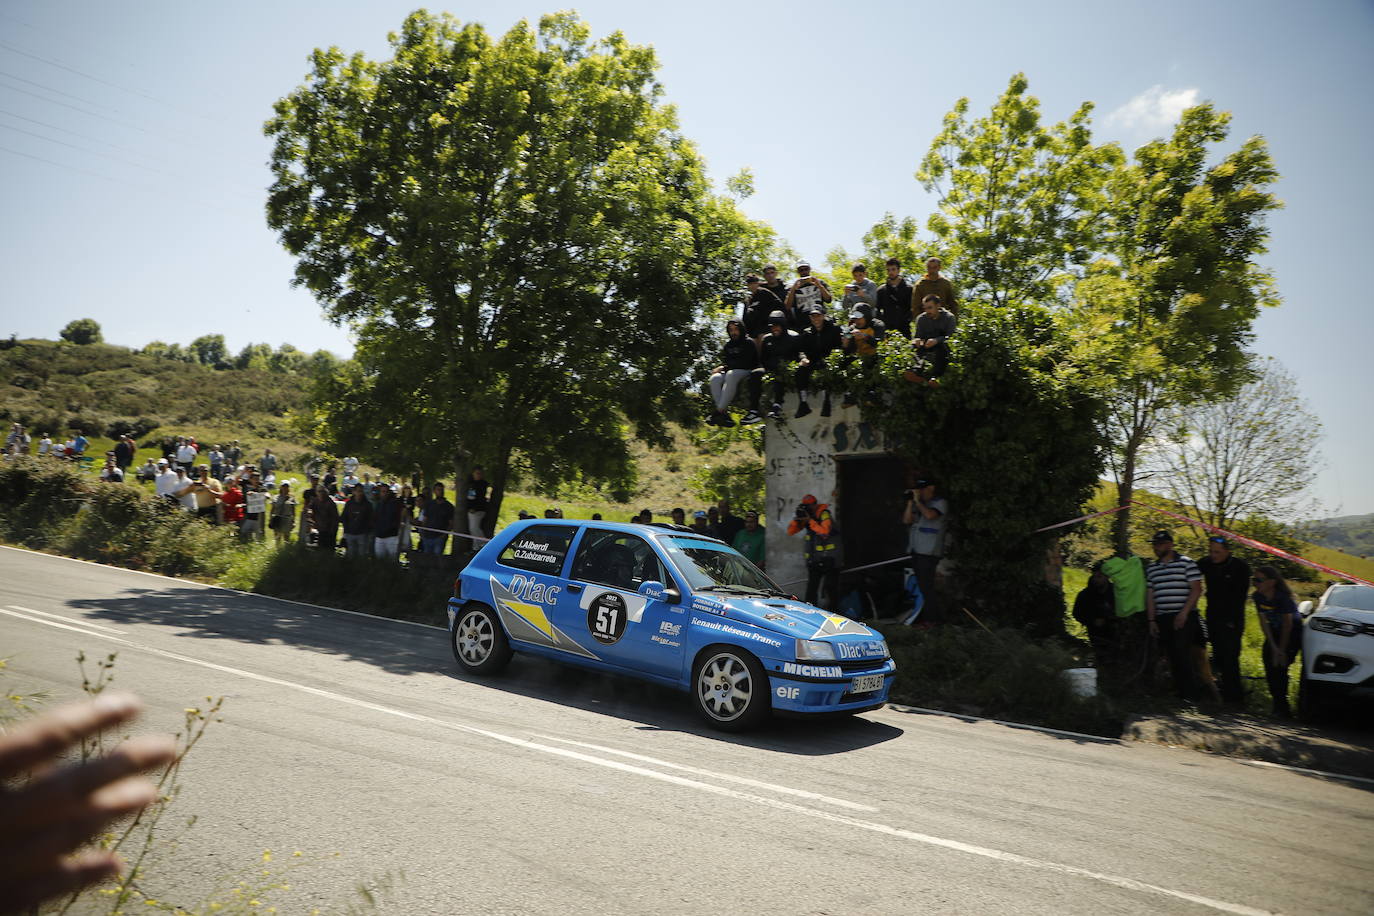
(162, 461)
(751, 514)
(808, 500)
(1160, 536)
(699, 514)
(857, 313)
(777, 317)
(923, 483)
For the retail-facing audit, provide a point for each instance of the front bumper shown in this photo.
(1339, 661)
(822, 688)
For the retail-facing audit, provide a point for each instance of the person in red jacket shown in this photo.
(822, 550)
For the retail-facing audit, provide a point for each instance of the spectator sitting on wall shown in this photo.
(749, 540)
(934, 327)
(781, 347)
(818, 340)
(739, 358)
(861, 340)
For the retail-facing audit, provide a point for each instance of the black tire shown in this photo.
(1313, 700)
(479, 643)
(730, 689)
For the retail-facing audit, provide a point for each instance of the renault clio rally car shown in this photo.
(668, 606)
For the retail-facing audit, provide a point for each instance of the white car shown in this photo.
(1337, 648)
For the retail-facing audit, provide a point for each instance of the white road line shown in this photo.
(996, 855)
(725, 777)
(1305, 771)
(63, 626)
(75, 620)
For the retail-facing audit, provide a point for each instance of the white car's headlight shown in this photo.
(1337, 625)
(815, 650)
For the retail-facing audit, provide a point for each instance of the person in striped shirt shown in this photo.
(1175, 585)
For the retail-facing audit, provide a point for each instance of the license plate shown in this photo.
(867, 683)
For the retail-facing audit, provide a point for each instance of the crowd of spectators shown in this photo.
(795, 333)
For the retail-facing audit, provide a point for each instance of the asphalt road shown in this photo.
(552, 791)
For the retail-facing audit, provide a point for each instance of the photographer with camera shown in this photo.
(861, 340)
(933, 329)
(822, 550)
(926, 516)
(862, 291)
(807, 292)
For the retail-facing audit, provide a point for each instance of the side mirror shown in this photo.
(1305, 609)
(657, 591)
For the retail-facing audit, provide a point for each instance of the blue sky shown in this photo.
(133, 167)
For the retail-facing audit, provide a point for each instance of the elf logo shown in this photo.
(788, 693)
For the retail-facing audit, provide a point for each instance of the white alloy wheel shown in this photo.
(479, 643)
(731, 689)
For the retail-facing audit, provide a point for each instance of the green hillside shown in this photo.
(57, 387)
(1348, 533)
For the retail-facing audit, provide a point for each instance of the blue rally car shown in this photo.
(666, 605)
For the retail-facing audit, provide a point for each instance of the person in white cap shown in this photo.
(167, 482)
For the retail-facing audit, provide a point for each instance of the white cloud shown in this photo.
(1156, 108)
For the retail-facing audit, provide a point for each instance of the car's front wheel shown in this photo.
(479, 643)
(1313, 700)
(730, 689)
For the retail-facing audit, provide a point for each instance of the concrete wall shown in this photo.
(799, 458)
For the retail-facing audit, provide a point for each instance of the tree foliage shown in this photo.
(210, 350)
(517, 232)
(1018, 201)
(83, 331)
(1252, 454)
(1166, 313)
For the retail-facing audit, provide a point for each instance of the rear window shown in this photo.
(540, 548)
(1355, 597)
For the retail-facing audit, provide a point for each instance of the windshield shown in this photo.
(711, 566)
(1355, 597)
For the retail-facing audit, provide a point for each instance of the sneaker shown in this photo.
(724, 419)
(915, 378)
(803, 409)
(713, 419)
(776, 412)
(751, 418)
(825, 407)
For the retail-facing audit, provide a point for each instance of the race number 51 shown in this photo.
(606, 617)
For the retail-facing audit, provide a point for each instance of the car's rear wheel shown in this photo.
(479, 643)
(730, 689)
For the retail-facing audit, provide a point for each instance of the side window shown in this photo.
(618, 560)
(541, 549)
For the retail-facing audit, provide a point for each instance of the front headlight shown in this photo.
(814, 650)
(1334, 625)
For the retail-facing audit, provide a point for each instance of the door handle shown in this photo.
(574, 588)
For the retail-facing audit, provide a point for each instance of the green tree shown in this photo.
(1165, 315)
(520, 238)
(1018, 201)
(254, 356)
(83, 331)
(287, 359)
(210, 350)
(1252, 454)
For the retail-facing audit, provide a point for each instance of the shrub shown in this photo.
(1003, 674)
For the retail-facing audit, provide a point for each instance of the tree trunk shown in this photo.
(462, 469)
(1125, 491)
